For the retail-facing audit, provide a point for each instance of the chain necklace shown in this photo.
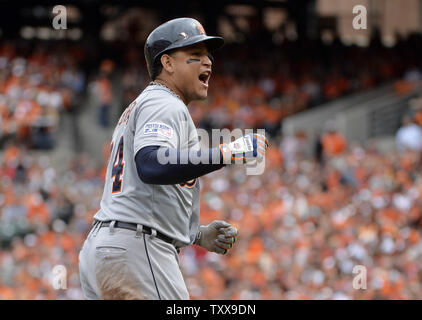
(164, 86)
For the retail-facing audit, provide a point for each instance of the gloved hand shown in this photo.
(219, 236)
(249, 147)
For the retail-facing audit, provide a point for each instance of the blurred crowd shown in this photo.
(309, 223)
(257, 86)
(45, 214)
(36, 84)
(305, 223)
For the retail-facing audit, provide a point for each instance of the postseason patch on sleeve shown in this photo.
(158, 128)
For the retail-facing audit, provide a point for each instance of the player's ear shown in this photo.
(167, 63)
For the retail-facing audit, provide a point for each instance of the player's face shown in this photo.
(192, 71)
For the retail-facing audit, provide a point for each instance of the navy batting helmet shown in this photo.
(173, 34)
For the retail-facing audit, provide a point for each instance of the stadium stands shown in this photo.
(304, 224)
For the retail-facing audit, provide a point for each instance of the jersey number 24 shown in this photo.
(117, 170)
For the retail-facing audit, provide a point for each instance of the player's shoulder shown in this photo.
(163, 96)
(159, 100)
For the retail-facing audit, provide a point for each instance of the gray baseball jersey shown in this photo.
(156, 117)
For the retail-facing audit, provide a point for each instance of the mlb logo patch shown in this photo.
(158, 128)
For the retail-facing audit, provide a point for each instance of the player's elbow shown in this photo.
(144, 165)
(150, 175)
(145, 177)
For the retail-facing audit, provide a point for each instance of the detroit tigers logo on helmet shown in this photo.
(200, 28)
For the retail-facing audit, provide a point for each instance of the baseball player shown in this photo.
(150, 208)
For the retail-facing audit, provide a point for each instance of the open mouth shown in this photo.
(204, 77)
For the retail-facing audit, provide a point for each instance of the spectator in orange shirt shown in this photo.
(333, 142)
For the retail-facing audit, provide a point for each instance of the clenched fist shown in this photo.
(219, 236)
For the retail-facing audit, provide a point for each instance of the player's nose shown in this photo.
(207, 61)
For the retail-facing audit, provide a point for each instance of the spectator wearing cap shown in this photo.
(409, 136)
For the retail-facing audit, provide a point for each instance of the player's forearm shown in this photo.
(182, 166)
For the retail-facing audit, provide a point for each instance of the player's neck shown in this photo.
(173, 88)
